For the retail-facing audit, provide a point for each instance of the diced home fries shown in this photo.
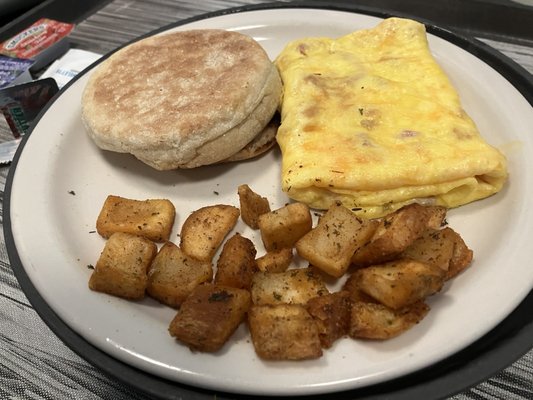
(151, 218)
(121, 269)
(400, 283)
(252, 206)
(396, 232)
(275, 261)
(365, 279)
(294, 286)
(236, 264)
(284, 332)
(376, 321)
(283, 227)
(332, 243)
(205, 229)
(173, 275)
(331, 313)
(209, 316)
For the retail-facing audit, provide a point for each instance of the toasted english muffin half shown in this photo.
(182, 99)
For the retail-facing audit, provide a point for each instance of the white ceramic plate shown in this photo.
(62, 179)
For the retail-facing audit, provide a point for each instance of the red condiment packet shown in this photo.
(42, 42)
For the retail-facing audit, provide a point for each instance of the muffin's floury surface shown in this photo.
(182, 99)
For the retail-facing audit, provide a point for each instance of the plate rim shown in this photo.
(501, 346)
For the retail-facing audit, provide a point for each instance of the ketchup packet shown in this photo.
(42, 42)
(20, 104)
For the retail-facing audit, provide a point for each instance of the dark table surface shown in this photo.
(35, 364)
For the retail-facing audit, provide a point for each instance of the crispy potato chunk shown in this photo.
(275, 261)
(399, 283)
(209, 316)
(205, 229)
(173, 275)
(443, 248)
(436, 217)
(432, 247)
(236, 264)
(462, 255)
(352, 286)
(151, 218)
(376, 321)
(284, 332)
(283, 227)
(331, 244)
(396, 232)
(295, 286)
(252, 206)
(331, 313)
(122, 266)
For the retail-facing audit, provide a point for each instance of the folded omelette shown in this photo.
(370, 120)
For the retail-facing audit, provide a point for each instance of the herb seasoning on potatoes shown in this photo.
(389, 266)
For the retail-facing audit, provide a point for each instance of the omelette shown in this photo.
(371, 121)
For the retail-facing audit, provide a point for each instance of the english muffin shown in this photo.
(184, 99)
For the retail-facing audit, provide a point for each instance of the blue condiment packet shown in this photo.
(14, 71)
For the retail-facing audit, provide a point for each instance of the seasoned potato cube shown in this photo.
(209, 316)
(236, 264)
(443, 248)
(205, 229)
(352, 286)
(275, 261)
(151, 218)
(395, 233)
(399, 283)
(122, 266)
(283, 227)
(433, 247)
(173, 275)
(331, 313)
(332, 243)
(295, 286)
(284, 332)
(436, 217)
(252, 206)
(376, 321)
(462, 255)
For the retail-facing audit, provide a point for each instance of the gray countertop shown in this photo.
(34, 363)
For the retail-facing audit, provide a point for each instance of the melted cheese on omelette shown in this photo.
(371, 120)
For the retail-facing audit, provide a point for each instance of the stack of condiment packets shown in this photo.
(25, 55)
